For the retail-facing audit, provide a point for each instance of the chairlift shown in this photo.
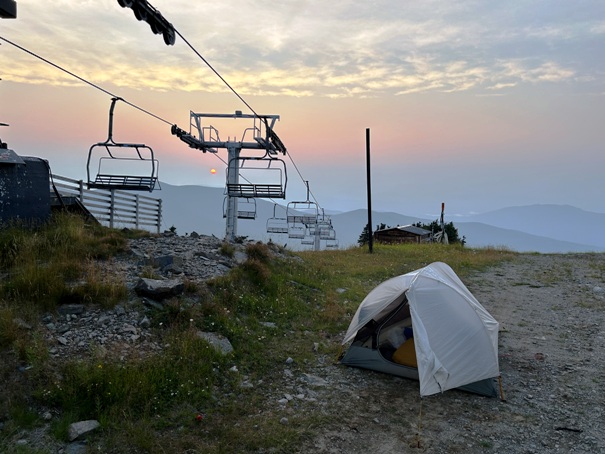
(125, 166)
(305, 212)
(324, 227)
(270, 171)
(246, 208)
(308, 240)
(297, 231)
(332, 244)
(327, 234)
(276, 224)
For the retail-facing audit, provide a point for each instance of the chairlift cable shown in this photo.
(216, 72)
(303, 180)
(236, 94)
(33, 54)
(98, 87)
(157, 117)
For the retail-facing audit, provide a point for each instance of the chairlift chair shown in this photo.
(249, 168)
(332, 244)
(305, 212)
(125, 166)
(297, 231)
(324, 227)
(308, 240)
(327, 234)
(246, 208)
(276, 224)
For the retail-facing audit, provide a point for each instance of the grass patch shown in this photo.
(271, 308)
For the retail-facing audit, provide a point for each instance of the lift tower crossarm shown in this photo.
(270, 142)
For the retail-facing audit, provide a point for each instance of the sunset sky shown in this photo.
(478, 104)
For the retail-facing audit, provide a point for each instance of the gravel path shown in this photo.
(551, 309)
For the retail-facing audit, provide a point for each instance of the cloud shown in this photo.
(305, 49)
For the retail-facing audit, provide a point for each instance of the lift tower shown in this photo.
(253, 158)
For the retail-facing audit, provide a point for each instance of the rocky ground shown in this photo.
(552, 314)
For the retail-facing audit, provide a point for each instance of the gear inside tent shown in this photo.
(426, 325)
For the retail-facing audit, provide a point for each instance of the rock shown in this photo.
(66, 309)
(153, 304)
(163, 261)
(159, 289)
(268, 325)
(283, 421)
(240, 257)
(81, 428)
(129, 329)
(145, 322)
(314, 380)
(219, 342)
(76, 448)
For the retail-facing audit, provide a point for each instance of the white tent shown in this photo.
(455, 340)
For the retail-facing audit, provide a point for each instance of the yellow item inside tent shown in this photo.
(406, 354)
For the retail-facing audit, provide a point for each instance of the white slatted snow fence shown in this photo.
(114, 208)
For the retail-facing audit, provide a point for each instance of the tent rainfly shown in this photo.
(426, 325)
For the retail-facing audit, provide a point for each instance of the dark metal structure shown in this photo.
(143, 11)
(8, 9)
(24, 188)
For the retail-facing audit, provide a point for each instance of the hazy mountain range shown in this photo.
(535, 228)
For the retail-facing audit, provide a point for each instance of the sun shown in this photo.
(212, 171)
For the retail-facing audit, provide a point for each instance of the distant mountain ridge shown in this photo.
(560, 222)
(535, 228)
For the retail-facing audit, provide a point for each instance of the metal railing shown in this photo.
(113, 207)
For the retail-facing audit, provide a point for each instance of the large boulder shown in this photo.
(159, 289)
(81, 428)
(218, 341)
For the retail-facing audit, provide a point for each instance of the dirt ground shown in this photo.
(551, 310)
